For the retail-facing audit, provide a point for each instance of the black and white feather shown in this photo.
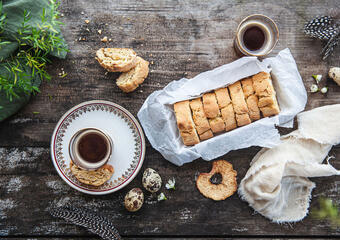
(93, 222)
(324, 28)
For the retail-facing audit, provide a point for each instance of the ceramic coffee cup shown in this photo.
(266, 25)
(90, 148)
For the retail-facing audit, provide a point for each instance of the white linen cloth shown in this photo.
(277, 185)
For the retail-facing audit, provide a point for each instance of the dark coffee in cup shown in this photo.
(90, 148)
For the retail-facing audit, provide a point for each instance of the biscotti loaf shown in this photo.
(185, 123)
(226, 108)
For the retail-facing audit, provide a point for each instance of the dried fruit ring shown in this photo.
(220, 191)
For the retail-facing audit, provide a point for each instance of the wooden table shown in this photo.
(180, 39)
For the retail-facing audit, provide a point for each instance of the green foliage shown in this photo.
(35, 43)
(328, 211)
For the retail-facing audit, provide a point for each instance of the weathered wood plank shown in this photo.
(180, 39)
(27, 193)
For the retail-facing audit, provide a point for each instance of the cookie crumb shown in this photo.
(99, 31)
(110, 39)
(104, 39)
(87, 21)
(87, 29)
(82, 13)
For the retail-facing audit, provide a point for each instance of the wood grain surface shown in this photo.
(179, 39)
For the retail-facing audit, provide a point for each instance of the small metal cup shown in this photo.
(269, 28)
(74, 149)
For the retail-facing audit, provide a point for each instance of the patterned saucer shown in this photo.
(124, 130)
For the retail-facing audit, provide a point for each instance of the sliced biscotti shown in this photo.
(95, 178)
(198, 115)
(185, 123)
(251, 99)
(129, 81)
(226, 108)
(210, 105)
(212, 111)
(228, 117)
(264, 89)
(206, 135)
(239, 104)
(217, 124)
(116, 59)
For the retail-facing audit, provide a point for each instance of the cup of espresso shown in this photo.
(90, 148)
(256, 35)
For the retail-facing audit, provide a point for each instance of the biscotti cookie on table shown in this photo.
(239, 104)
(200, 120)
(185, 123)
(129, 81)
(95, 177)
(226, 108)
(251, 99)
(116, 59)
(264, 89)
(212, 111)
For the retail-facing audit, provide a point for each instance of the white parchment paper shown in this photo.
(159, 123)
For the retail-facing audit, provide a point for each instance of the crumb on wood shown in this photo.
(87, 29)
(99, 31)
(104, 39)
(110, 39)
(82, 13)
(87, 21)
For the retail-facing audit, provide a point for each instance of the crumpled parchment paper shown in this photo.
(159, 123)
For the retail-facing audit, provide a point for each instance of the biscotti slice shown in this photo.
(263, 84)
(267, 101)
(265, 91)
(198, 115)
(251, 99)
(222, 96)
(185, 123)
(254, 111)
(116, 59)
(210, 105)
(228, 117)
(239, 104)
(95, 178)
(206, 135)
(129, 81)
(217, 124)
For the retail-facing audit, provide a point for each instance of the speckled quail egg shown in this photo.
(134, 200)
(151, 180)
